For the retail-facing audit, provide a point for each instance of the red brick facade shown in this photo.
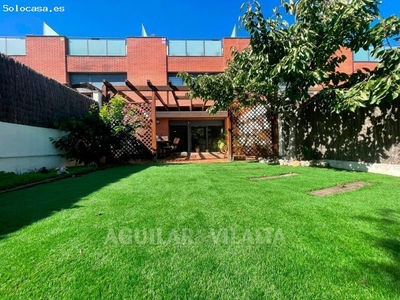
(47, 55)
(146, 59)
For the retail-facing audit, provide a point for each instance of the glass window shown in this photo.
(213, 48)
(97, 47)
(177, 48)
(79, 78)
(78, 47)
(15, 46)
(116, 48)
(2, 45)
(361, 55)
(175, 80)
(195, 48)
(96, 79)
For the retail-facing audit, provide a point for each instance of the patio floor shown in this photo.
(194, 157)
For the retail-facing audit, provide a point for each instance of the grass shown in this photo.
(11, 180)
(201, 232)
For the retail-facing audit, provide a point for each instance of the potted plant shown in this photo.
(222, 143)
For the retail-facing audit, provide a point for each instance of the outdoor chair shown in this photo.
(170, 149)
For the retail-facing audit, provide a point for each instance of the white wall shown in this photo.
(27, 148)
(387, 169)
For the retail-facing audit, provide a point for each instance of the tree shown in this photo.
(284, 60)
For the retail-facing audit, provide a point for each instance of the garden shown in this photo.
(202, 231)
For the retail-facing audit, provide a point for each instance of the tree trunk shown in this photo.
(292, 149)
(292, 138)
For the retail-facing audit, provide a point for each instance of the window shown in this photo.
(13, 46)
(195, 48)
(97, 47)
(176, 80)
(96, 79)
(364, 55)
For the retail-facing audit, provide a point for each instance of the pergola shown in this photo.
(151, 98)
(171, 97)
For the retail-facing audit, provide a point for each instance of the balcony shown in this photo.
(97, 47)
(195, 48)
(12, 46)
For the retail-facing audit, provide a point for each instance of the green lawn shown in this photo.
(201, 232)
(12, 180)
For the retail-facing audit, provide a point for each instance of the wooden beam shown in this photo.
(174, 94)
(134, 89)
(104, 93)
(153, 126)
(157, 94)
(126, 97)
(115, 91)
(109, 86)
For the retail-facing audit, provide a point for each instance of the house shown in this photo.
(144, 70)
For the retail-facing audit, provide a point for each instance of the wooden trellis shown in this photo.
(144, 135)
(253, 132)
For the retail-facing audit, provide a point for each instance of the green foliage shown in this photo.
(98, 133)
(222, 143)
(285, 60)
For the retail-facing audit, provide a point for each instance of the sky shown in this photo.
(189, 19)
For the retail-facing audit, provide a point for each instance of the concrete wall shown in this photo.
(387, 169)
(27, 148)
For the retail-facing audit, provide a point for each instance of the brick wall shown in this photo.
(163, 128)
(361, 64)
(233, 43)
(195, 64)
(46, 55)
(96, 64)
(147, 59)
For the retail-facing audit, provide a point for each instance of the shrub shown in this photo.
(99, 133)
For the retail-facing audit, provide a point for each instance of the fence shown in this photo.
(29, 98)
(29, 105)
(371, 134)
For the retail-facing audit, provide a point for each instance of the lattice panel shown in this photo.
(132, 148)
(252, 132)
(139, 146)
(144, 134)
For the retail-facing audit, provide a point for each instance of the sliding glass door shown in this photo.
(202, 134)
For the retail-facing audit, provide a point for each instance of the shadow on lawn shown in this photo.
(388, 223)
(24, 207)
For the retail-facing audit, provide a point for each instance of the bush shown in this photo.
(99, 133)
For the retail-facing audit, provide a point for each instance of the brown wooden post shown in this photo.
(153, 124)
(229, 136)
(275, 134)
(104, 92)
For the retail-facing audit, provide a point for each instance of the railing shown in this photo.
(195, 48)
(12, 46)
(97, 47)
